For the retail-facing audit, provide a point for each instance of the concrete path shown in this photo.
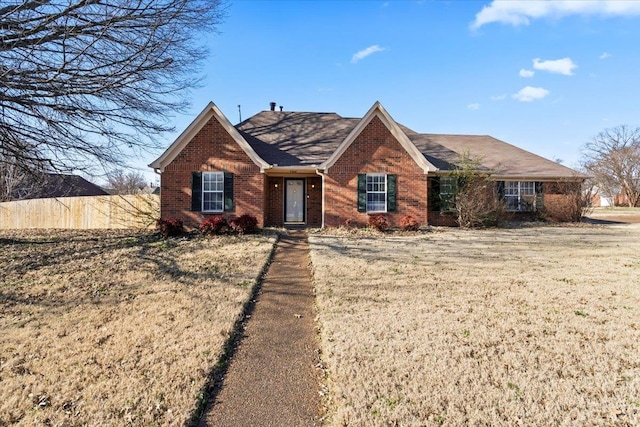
(272, 379)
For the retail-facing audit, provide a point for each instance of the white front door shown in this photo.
(294, 200)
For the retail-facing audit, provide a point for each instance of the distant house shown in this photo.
(58, 185)
(321, 169)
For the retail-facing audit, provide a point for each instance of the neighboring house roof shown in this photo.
(61, 185)
(316, 140)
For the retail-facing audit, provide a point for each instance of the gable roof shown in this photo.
(210, 111)
(309, 140)
(377, 110)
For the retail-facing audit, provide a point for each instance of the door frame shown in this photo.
(304, 201)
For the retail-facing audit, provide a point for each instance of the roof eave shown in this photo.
(211, 110)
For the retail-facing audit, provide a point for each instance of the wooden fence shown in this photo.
(89, 212)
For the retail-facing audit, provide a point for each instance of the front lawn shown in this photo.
(116, 328)
(532, 326)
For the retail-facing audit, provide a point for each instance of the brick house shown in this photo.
(320, 169)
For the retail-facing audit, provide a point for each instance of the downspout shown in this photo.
(322, 176)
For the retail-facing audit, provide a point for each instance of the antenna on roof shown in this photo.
(239, 114)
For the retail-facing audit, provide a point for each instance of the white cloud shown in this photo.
(499, 97)
(518, 12)
(560, 66)
(366, 52)
(529, 93)
(605, 55)
(473, 106)
(526, 73)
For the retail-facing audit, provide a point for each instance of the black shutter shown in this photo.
(391, 193)
(228, 192)
(501, 190)
(539, 196)
(362, 192)
(196, 191)
(434, 194)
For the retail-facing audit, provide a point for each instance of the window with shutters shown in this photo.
(376, 192)
(212, 191)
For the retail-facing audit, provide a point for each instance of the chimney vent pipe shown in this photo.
(281, 108)
(273, 106)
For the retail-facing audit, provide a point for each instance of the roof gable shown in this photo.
(377, 110)
(210, 111)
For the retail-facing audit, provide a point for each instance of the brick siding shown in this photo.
(375, 150)
(212, 149)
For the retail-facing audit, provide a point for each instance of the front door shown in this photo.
(294, 200)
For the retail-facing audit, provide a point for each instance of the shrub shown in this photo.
(244, 224)
(169, 227)
(378, 222)
(409, 223)
(214, 225)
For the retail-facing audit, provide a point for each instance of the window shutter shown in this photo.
(228, 192)
(391, 193)
(539, 196)
(196, 191)
(434, 194)
(362, 192)
(501, 190)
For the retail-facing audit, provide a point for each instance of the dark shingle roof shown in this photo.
(295, 139)
(306, 139)
(60, 185)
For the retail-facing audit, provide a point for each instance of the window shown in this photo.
(448, 190)
(212, 192)
(520, 195)
(376, 193)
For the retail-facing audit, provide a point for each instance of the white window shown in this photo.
(212, 191)
(448, 190)
(376, 192)
(520, 195)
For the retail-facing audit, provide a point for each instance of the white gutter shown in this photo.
(322, 176)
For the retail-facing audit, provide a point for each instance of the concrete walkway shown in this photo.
(272, 379)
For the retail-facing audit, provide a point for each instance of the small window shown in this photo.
(212, 192)
(376, 193)
(520, 196)
(448, 191)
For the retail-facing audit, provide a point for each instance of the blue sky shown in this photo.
(543, 75)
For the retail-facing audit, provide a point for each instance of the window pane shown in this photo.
(212, 191)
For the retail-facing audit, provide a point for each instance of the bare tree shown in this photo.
(85, 82)
(613, 159)
(122, 182)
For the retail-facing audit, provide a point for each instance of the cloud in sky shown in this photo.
(366, 52)
(559, 66)
(605, 55)
(499, 97)
(526, 73)
(473, 106)
(529, 93)
(516, 13)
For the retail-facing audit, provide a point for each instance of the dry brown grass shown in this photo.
(533, 326)
(116, 328)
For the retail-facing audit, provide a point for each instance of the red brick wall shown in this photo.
(274, 211)
(375, 150)
(211, 149)
(561, 201)
(314, 202)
